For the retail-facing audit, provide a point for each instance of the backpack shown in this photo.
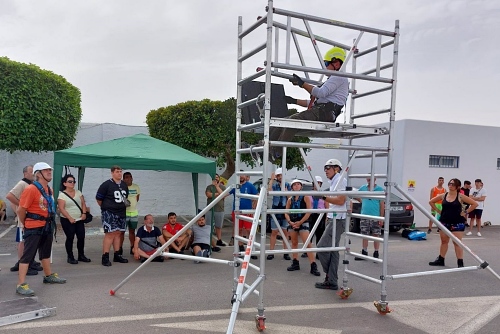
(417, 235)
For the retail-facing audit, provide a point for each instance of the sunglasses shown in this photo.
(451, 183)
(329, 167)
(69, 181)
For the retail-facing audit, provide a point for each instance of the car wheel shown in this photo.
(354, 226)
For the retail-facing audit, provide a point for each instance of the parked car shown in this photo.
(402, 214)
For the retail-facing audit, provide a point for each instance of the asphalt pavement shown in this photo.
(179, 296)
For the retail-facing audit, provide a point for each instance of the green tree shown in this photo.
(39, 110)
(208, 128)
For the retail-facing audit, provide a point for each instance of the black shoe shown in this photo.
(158, 259)
(242, 249)
(143, 259)
(361, 259)
(221, 243)
(438, 262)
(326, 285)
(375, 254)
(32, 272)
(119, 258)
(460, 263)
(36, 266)
(72, 261)
(286, 257)
(253, 257)
(295, 266)
(304, 255)
(270, 257)
(15, 267)
(314, 269)
(83, 258)
(216, 249)
(105, 260)
(131, 251)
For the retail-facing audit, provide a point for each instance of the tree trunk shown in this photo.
(230, 165)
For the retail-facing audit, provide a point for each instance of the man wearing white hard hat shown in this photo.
(330, 260)
(279, 202)
(37, 212)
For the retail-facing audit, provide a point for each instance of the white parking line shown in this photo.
(7, 231)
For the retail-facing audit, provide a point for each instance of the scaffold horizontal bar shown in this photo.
(327, 146)
(333, 22)
(245, 218)
(367, 237)
(328, 72)
(315, 37)
(196, 258)
(251, 126)
(433, 272)
(358, 215)
(252, 52)
(252, 77)
(366, 257)
(251, 101)
(373, 70)
(250, 265)
(250, 172)
(367, 155)
(254, 26)
(365, 277)
(370, 50)
(248, 196)
(373, 113)
(363, 176)
(376, 91)
(350, 193)
(250, 150)
(305, 250)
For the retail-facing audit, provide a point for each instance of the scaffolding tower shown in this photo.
(378, 81)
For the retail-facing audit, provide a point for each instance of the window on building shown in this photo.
(444, 161)
(498, 163)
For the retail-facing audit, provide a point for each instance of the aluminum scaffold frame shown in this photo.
(346, 131)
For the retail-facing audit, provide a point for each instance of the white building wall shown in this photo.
(414, 141)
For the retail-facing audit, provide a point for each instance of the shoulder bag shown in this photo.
(88, 215)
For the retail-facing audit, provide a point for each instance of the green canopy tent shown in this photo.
(137, 152)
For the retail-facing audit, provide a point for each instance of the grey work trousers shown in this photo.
(330, 260)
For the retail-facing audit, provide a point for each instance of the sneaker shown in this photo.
(221, 243)
(253, 257)
(468, 233)
(158, 259)
(359, 258)
(429, 231)
(24, 290)
(31, 272)
(295, 266)
(15, 267)
(314, 269)
(54, 279)
(270, 257)
(286, 257)
(326, 285)
(375, 254)
(36, 266)
(478, 234)
(231, 242)
(216, 249)
(304, 255)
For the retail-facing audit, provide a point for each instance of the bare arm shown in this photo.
(433, 202)
(472, 203)
(21, 214)
(337, 200)
(12, 199)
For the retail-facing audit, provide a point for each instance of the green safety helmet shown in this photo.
(335, 52)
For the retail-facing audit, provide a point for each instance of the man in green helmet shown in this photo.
(326, 103)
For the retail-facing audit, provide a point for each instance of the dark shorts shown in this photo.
(370, 226)
(476, 213)
(202, 246)
(34, 242)
(455, 227)
(303, 227)
(112, 222)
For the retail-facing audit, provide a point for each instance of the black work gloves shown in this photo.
(290, 100)
(297, 81)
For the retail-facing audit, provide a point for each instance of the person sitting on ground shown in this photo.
(3, 212)
(170, 229)
(201, 238)
(147, 240)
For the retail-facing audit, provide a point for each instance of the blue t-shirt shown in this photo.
(277, 199)
(245, 188)
(370, 206)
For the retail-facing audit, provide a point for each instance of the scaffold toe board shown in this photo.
(23, 309)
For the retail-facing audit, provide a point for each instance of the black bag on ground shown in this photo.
(406, 232)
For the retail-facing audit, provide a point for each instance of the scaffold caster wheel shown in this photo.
(260, 323)
(382, 308)
(345, 293)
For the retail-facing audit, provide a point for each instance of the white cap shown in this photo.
(333, 162)
(297, 181)
(40, 166)
(278, 171)
(318, 178)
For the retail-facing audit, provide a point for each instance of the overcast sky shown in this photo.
(129, 57)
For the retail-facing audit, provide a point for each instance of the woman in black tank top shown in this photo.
(453, 218)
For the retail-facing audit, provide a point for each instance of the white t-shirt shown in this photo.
(341, 187)
(478, 193)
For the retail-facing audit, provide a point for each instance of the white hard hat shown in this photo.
(318, 178)
(297, 181)
(40, 166)
(278, 171)
(333, 162)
